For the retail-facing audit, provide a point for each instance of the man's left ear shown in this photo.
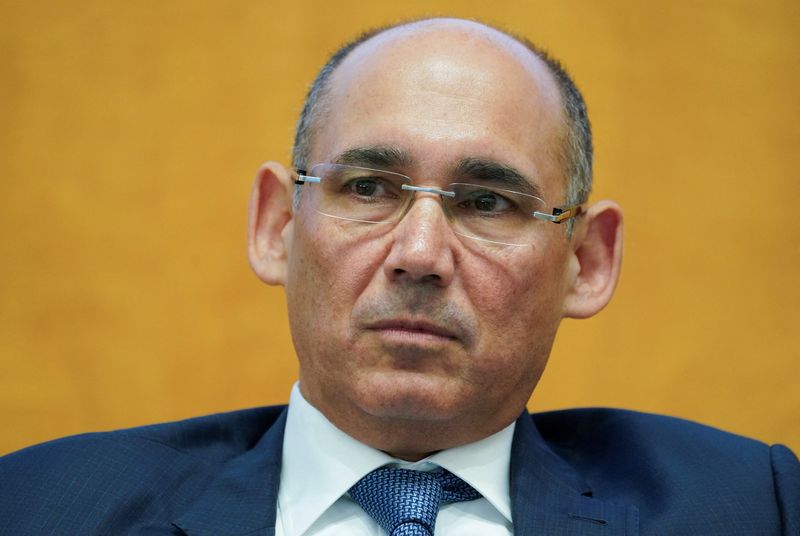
(597, 256)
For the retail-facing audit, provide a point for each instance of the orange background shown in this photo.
(130, 133)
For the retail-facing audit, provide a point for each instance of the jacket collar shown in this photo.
(242, 499)
(549, 497)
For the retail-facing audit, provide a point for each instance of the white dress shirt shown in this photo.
(320, 463)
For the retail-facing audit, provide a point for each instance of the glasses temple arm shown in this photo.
(560, 214)
(302, 178)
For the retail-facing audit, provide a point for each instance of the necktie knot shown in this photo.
(406, 502)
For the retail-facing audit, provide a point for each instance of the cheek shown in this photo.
(519, 300)
(328, 271)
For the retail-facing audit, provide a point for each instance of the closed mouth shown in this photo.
(413, 328)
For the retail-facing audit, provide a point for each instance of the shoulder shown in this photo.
(147, 468)
(654, 460)
(624, 429)
(629, 438)
(207, 439)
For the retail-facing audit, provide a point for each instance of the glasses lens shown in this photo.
(360, 194)
(493, 214)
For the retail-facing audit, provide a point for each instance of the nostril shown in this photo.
(399, 271)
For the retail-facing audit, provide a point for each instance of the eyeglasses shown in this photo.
(475, 211)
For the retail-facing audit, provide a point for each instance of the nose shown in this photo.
(422, 247)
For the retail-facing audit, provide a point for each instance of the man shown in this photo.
(430, 239)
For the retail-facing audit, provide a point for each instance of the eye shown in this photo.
(486, 202)
(370, 188)
(366, 187)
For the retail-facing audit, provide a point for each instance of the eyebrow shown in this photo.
(488, 171)
(378, 156)
(391, 158)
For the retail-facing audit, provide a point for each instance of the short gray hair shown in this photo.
(576, 151)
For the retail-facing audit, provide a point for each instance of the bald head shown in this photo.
(492, 63)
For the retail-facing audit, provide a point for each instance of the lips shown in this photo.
(409, 316)
(413, 327)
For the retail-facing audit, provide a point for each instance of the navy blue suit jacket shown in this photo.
(591, 472)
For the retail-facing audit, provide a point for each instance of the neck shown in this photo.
(411, 456)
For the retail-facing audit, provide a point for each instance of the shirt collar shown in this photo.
(320, 463)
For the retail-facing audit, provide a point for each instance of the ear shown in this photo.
(269, 225)
(597, 250)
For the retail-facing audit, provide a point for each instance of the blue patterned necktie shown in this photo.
(406, 502)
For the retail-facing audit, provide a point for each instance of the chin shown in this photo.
(411, 396)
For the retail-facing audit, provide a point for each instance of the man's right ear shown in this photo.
(270, 223)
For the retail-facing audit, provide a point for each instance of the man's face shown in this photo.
(411, 325)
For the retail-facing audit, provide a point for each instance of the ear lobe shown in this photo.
(270, 215)
(598, 252)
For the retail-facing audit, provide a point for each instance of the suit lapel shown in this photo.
(243, 498)
(549, 497)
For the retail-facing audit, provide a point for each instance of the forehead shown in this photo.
(442, 92)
